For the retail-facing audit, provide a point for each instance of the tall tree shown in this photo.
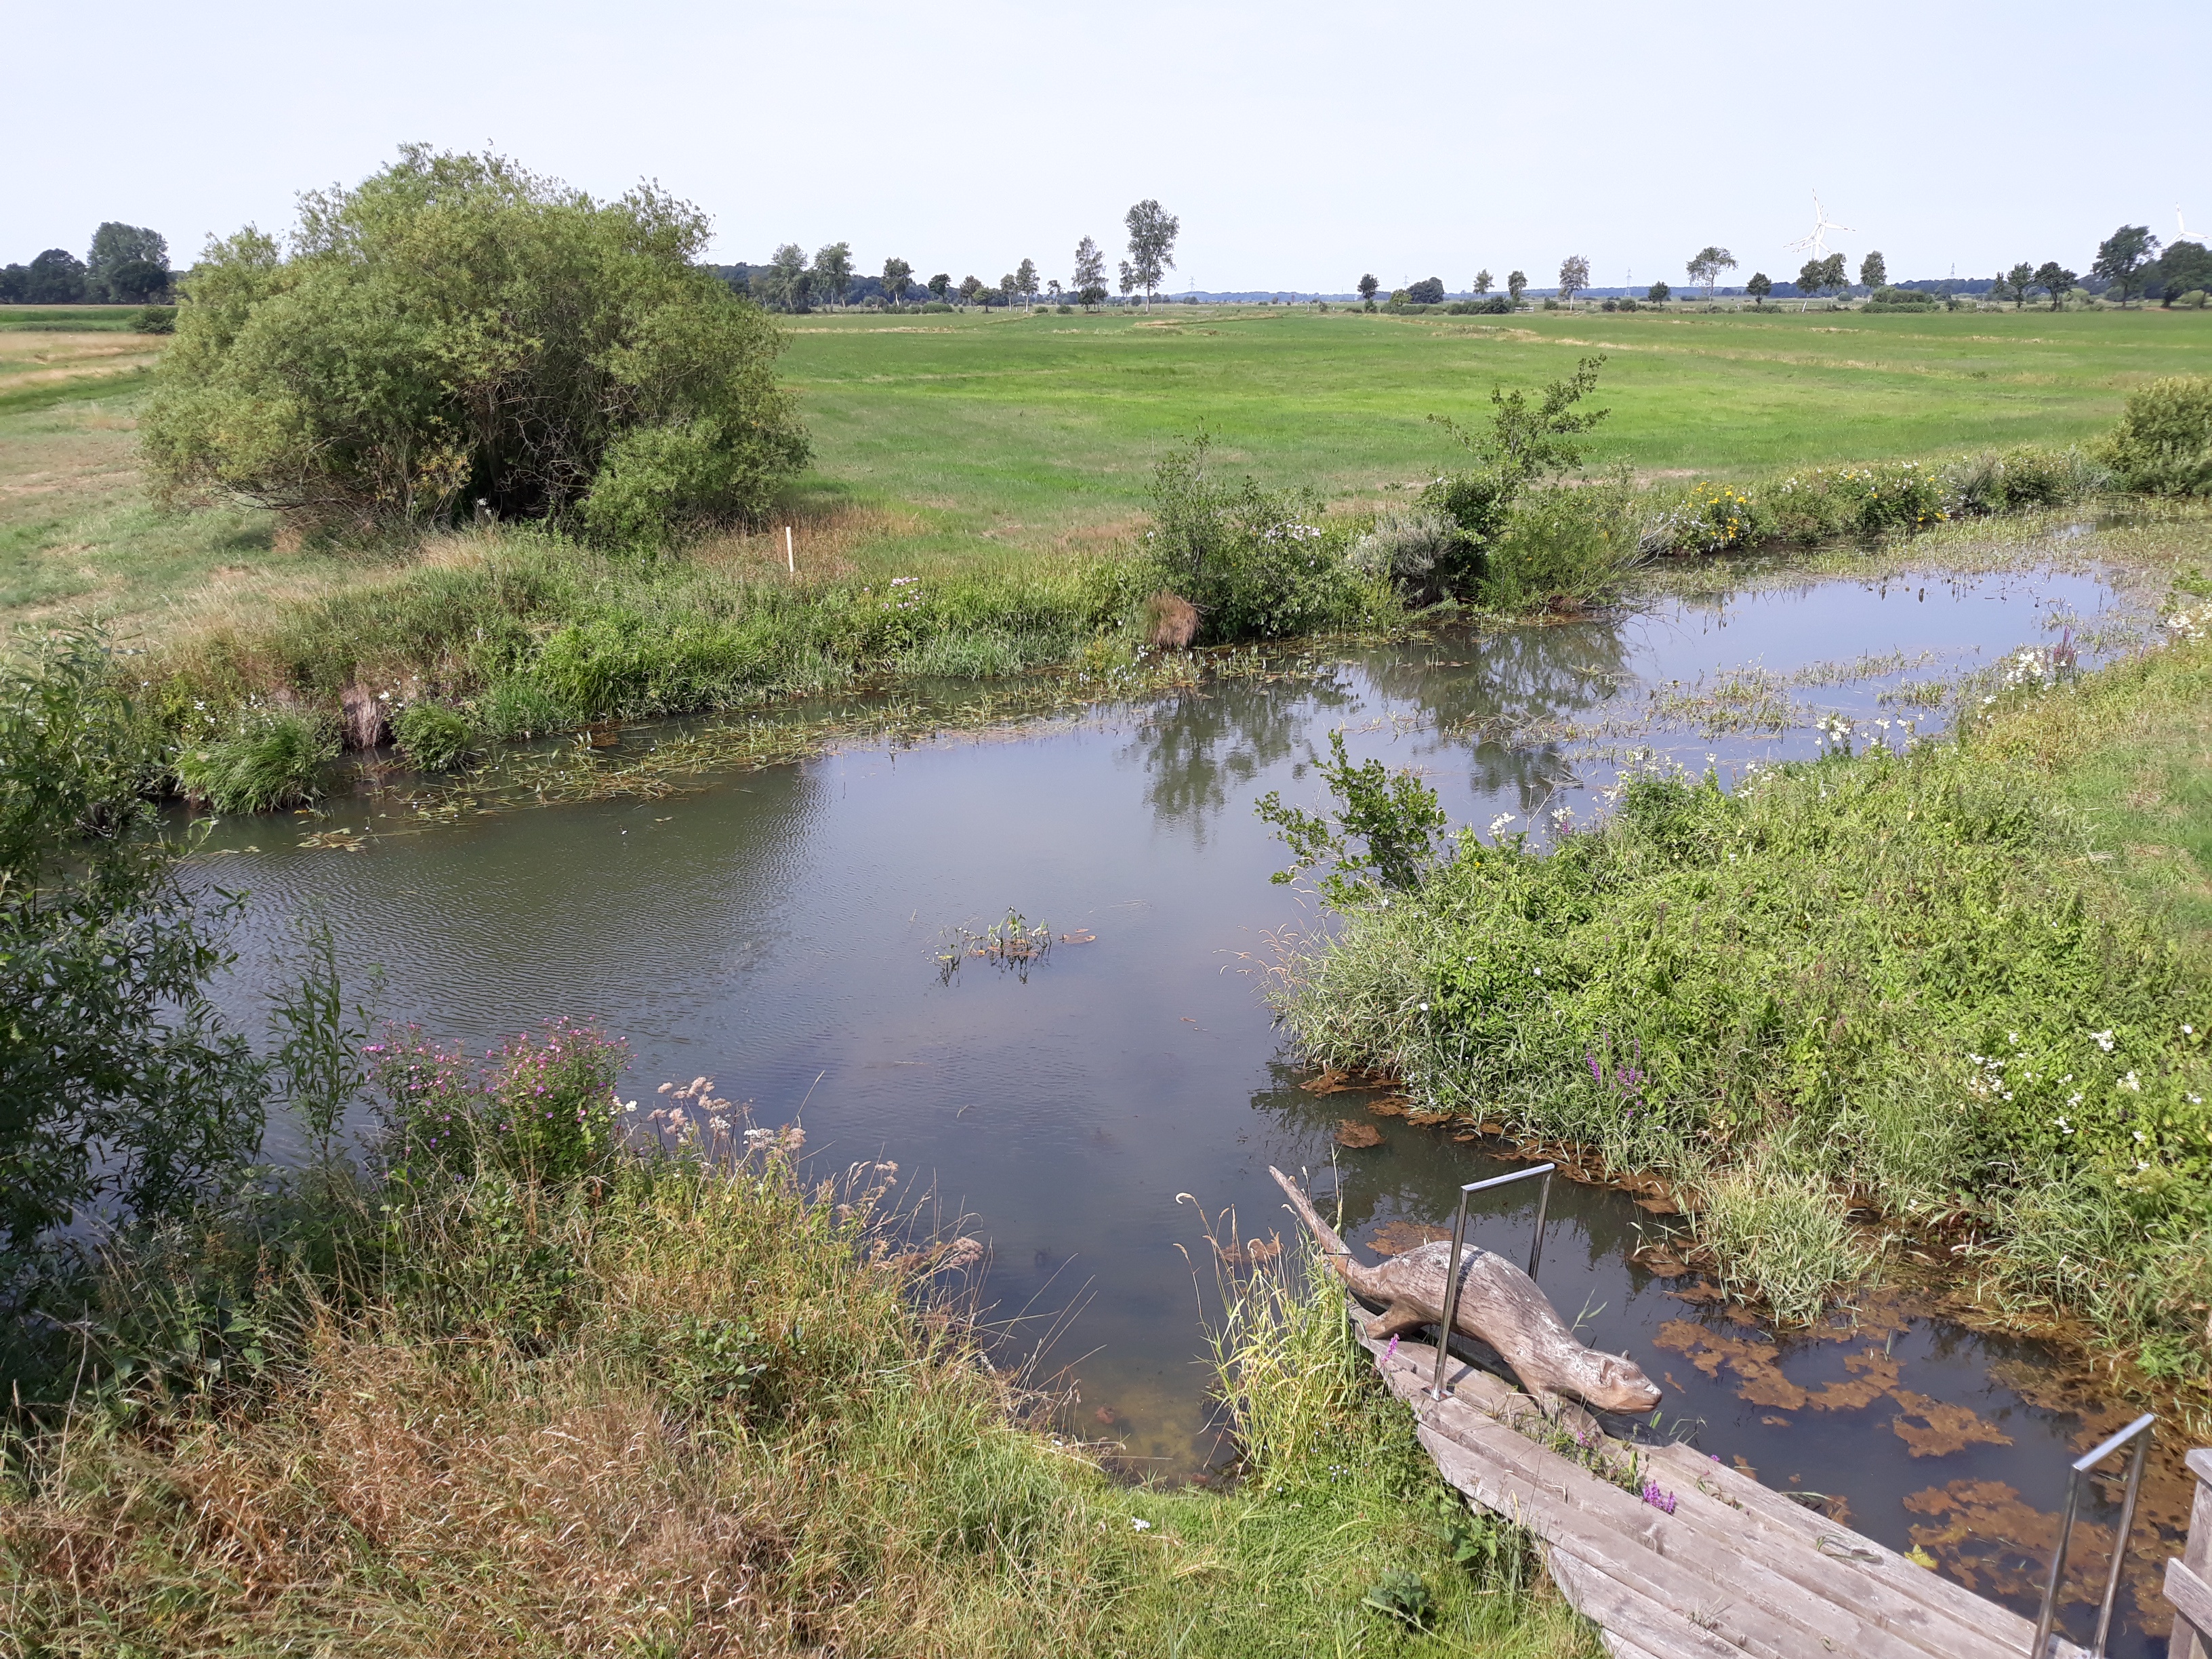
(1367, 285)
(1874, 271)
(1517, 284)
(1706, 265)
(56, 278)
(1821, 275)
(2057, 281)
(898, 276)
(2017, 282)
(1152, 233)
(1089, 281)
(1574, 276)
(1481, 283)
(1758, 287)
(2186, 267)
(940, 285)
(970, 286)
(114, 246)
(2123, 259)
(781, 284)
(833, 271)
(1025, 281)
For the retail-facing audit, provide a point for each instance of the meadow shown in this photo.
(967, 444)
(961, 440)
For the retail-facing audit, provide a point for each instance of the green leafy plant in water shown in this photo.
(272, 761)
(436, 737)
(1382, 832)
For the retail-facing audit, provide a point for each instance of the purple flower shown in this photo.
(1661, 1501)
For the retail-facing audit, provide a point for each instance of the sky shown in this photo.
(1300, 145)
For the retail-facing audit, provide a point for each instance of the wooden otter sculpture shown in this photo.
(1497, 1304)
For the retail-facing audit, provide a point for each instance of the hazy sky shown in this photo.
(1300, 144)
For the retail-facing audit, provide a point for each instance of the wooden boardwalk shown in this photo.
(1734, 1568)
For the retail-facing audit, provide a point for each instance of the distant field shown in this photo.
(1020, 432)
(958, 441)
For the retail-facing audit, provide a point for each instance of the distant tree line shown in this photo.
(126, 265)
(791, 281)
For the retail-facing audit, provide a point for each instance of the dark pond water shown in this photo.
(778, 931)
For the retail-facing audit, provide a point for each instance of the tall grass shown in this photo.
(683, 1404)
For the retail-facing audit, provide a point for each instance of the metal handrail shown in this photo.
(1458, 1240)
(2139, 1432)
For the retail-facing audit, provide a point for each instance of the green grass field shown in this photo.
(961, 443)
(977, 438)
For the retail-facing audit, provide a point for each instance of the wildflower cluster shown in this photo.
(1711, 517)
(541, 1106)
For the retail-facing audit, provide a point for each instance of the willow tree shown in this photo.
(455, 329)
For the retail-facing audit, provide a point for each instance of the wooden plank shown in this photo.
(1754, 1543)
(1763, 1610)
(2190, 1595)
(1944, 1627)
(2007, 1628)
(2196, 1555)
(1658, 1630)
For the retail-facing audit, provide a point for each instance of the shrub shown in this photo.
(156, 320)
(1861, 500)
(1496, 306)
(120, 1086)
(1428, 291)
(457, 328)
(436, 738)
(1559, 545)
(1423, 553)
(540, 1108)
(2024, 477)
(2163, 444)
(271, 760)
(2194, 299)
(1254, 561)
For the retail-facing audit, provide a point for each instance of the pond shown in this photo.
(780, 929)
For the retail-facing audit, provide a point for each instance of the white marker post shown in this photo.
(790, 559)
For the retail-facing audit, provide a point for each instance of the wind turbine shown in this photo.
(2181, 230)
(1817, 243)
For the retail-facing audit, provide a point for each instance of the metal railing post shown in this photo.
(1452, 1269)
(2139, 1432)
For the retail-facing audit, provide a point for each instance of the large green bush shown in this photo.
(1257, 563)
(2163, 444)
(456, 330)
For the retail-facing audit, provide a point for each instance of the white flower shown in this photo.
(1425, 1007)
(2130, 1085)
(2012, 1037)
(1136, 1525)
(2189, 1031)
(2104, 1040)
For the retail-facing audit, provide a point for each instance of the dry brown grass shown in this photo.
(828, 543)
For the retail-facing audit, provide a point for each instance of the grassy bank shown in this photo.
(1961, 992)
(690, 1405)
